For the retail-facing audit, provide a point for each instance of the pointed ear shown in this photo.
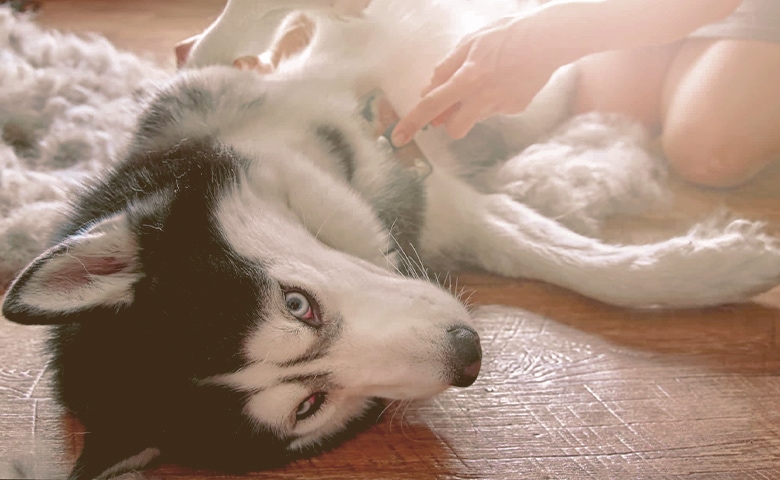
(94, 269)
(105, 458)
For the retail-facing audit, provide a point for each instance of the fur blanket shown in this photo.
(67, 105)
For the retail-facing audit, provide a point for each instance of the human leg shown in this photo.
(720, 110)
(629, 82)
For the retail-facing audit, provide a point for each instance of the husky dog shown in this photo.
(247, 285)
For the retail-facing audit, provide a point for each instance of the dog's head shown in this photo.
(200, 310)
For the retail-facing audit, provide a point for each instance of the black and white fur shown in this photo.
(174, 288)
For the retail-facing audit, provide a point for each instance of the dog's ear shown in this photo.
(107, 457)
(92, 270)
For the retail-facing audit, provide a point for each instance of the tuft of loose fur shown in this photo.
(68, 105)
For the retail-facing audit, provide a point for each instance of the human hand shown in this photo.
(497, 69)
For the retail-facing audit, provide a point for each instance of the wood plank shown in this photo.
(570, 388)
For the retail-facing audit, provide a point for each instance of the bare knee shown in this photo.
(720, 110)
(712, 159)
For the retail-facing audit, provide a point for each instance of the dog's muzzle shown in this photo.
(467, 355)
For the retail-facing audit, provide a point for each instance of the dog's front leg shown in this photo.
(497, 234)
(247, 27)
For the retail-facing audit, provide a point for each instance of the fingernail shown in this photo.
(399, 138)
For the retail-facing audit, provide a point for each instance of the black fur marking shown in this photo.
(326, 336)
(133, 376)
(184, 98)
(309, 356)
(400, 207)
(339, 147)
(483, 147)
(308, 379)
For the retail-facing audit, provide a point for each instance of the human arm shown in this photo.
(500, 68)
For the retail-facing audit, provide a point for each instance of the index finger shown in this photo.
(437, 102)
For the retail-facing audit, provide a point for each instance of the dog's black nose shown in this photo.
(467, 356)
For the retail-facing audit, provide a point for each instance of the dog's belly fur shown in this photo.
(180, 283)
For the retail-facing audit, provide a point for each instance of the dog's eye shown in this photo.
(302, 307)
(310, 406)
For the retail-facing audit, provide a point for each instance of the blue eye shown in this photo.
(301, 306)
(297, 304)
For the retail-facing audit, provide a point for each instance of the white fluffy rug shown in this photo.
(66, 106)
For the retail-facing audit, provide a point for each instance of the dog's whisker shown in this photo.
(392, 263)
(408, 404)
(399, 404)
(395, 404)
(467, 303)
(398, 251)
(389, 404)
(413, 268)
(419, 263)
(322, 225)
(400, 411)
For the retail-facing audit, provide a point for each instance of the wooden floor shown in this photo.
(569, 388)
